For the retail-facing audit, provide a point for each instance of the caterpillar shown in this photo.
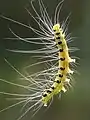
(63, 67)
(56, 77)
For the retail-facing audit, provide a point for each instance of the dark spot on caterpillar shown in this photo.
(60, 75)
(53, 87)
(54, 30)
(57, 37)
(51, 79)
(44, 95)
(61, 68)
(49, 91)
(57, 33)
(58, 81)
(60, 42)
(62, 59)
(61, 50)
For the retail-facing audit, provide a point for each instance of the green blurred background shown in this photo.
(75, 104)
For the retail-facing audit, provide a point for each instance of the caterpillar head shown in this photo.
(56, 28)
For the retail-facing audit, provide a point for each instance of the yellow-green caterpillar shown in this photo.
(56, 76)
(63, 67)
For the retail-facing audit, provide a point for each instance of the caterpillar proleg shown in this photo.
(54, 53)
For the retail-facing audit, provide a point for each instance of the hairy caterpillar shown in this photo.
(63, 67)
(56, 77)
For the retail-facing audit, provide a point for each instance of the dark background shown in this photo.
(75, 104)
